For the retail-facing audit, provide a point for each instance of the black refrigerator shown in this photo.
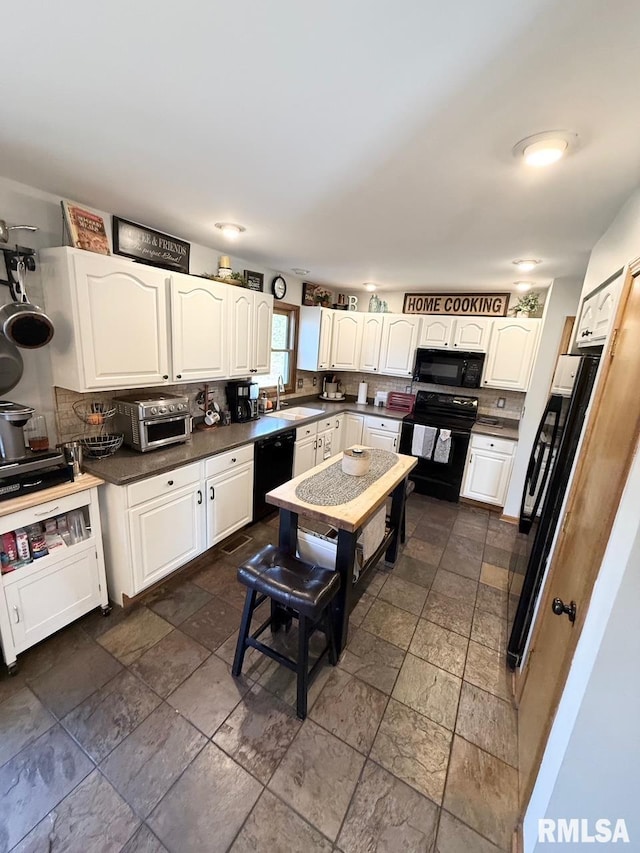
(548, 473)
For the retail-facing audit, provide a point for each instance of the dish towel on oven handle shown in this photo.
(423, 440)
(443, 446)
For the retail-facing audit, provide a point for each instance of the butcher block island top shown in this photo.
(347, 516)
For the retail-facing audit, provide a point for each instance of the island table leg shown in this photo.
(345, 559)
(396, 520)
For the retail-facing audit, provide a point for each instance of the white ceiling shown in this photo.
(360, 139)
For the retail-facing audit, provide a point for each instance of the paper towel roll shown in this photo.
(362, 393)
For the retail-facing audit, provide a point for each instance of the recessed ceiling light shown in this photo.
(300, 271)
(230, 229)
(523, 285)
(543, 149)
(370, 286)
(526, 264)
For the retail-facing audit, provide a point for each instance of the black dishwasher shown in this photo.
(273, 465)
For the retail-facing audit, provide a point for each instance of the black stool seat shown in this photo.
(304, 587)
(297, 590)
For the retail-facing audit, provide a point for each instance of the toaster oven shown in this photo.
(149, 422)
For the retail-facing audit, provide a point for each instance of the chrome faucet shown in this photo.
(279, 390)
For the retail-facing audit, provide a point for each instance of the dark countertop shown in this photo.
(127, 466)
(505, 428)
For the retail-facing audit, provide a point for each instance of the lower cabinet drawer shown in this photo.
(490, 442)
(383, 423)
(305, 431)
(226, 461)
(163, 484)
(46, 601)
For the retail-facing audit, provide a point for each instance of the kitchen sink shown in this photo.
(298, 413)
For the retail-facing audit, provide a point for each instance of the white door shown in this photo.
(324, 343)
(123, 323)
(371, 339)
(487, 477)
(324, 445)
(166, 533)
(353, 429)
(512, 348)
(304, 455)
(471, 333)
(262, 320)
(241, 345)
(346, 340)
(606, 302)
(399, 341)
(565, 375)
(338, 435)
(229, 502)
(199, 329)
(586, 328)
(380, 438)
(436, 331)
(44, 602)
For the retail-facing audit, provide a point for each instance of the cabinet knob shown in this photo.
(166, 376)
(491, 444)
(169, 482)
(178, 376)
(213, 493)
(199, 496)
(233, 458)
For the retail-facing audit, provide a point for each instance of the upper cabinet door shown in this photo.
(371, 339)
(122, 313)
(606, 304)
(471, 333)
(241, 329)
(262, 320)
(399, 341)
(199, 327)
(587, 322)
(512, 349)
(347, 340)
(324, 343)
(436, 332)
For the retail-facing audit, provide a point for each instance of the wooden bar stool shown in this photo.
(303, 591)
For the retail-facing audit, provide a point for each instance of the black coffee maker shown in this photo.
(242, 397)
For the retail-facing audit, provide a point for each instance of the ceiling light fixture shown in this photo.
(300, 271)
(230, 229)
(543, 149)
(523, 285)
(526, 264)
(370, 286)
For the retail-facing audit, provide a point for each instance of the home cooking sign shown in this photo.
(465, 304)
(149, 247)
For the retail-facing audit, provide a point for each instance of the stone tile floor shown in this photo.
(129, 733)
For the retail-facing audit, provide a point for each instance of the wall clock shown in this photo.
(279, 287)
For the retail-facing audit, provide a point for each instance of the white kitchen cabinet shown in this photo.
(338, 434)
(436, 331)
(38, 599)
(398, 346)
(346, 340)
(304, 454)
(353, 429)
(314, 339)
(598, 313)
(324, 445)
(250, 319)
(166, 533)
(382, 433)
(199, 329)
(110, 318)
(229, 501)
(511, 353)
(371, 339)
(488, 469)
(565, 375)
(471, 333)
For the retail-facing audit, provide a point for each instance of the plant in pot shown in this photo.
(527, 305)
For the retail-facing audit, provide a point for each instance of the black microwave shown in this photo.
(442, 367)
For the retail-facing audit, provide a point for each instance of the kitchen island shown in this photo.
(348, 518)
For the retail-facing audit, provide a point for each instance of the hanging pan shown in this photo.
(22, 323)
(11, 366)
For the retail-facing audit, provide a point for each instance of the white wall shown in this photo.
(24, 205)
(600, 706)
(561, 302)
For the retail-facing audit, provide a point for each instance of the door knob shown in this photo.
(559, 607)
